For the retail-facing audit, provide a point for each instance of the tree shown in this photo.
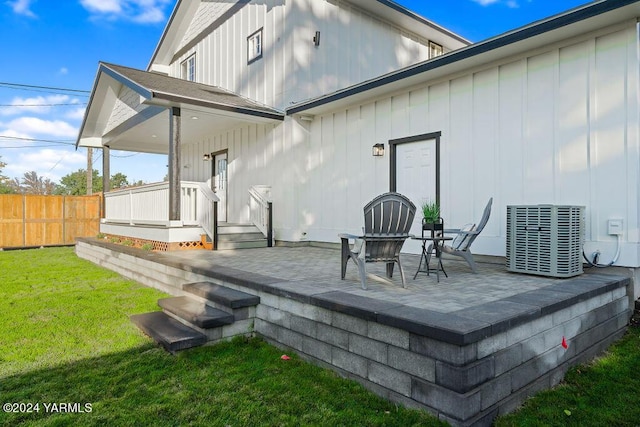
(34, 184)
(119, 180)
(5, 182)
(75, 183)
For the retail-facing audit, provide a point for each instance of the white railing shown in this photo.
(149, 205)
(260, 210)
(198, 206)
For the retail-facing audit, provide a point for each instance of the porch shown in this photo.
(465, 349)
(141, 215)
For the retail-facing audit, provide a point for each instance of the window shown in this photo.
(189, 68)
(435, 50)
(254, 46)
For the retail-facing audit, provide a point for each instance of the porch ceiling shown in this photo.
(130, 109)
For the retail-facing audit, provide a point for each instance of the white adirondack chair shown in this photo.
(387, 221)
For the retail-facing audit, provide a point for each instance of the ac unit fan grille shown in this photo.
(545, 239)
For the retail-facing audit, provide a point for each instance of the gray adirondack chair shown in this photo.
(464, 238)
(387, 221)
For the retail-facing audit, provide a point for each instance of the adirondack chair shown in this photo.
(464, 237)
(387, 221)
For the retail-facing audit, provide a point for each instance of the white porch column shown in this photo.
(106, 175)
(174, 164)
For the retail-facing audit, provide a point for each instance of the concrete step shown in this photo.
(238, 237)
(168, 332)
(222, 295)
(230, 228)
(195, 312)
(242, 244)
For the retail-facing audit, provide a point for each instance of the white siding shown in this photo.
(126, 106)
(354, 46)
(559, 127)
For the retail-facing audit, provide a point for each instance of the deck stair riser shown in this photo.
(207, 312)
(240, 236)
(168, 332)
(221, 294)
(195, 312)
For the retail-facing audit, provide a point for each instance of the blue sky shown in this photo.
(58, 44)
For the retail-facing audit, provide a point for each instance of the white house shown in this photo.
(283, 101)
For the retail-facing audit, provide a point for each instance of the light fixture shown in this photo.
(206, 157)
(378, 150)
(316, 39)
(194, 117)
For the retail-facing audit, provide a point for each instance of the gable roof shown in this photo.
(589, 17)
(170, 91)
(169, 45)
(157, 93)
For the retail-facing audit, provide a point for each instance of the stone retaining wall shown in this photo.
(465, 368)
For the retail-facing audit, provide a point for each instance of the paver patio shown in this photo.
(466, 348)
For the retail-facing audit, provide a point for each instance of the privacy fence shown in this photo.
(31, 220)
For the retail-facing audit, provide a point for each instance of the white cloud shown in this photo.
(63, 71)
(22, 7)
(48, 163)
(35, 105)
(141, 11)
(36, 126)
(486, 2)
(513, 4)
(76, 114)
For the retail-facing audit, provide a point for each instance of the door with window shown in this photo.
(415, 174)
(220, 184)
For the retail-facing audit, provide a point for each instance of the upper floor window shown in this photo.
(254, 46)
(435, 49)
(188, 70)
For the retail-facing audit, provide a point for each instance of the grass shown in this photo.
(605, 392)
(66, 338)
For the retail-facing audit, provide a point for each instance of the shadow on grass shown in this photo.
(241, 383)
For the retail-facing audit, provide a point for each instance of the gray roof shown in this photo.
(174, 90)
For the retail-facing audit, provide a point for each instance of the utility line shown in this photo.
(67, 142)
(40, 105)
(43, 87)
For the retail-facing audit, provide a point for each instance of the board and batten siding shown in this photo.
(355, 46)
(554, 126)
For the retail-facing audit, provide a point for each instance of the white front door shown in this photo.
(416, 179)
(220, 183)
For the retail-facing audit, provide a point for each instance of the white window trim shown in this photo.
(255, 43)
(433, 47)
(188, 68)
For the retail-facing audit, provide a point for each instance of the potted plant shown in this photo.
(431, 219)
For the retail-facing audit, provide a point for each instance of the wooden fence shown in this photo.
(31, 220)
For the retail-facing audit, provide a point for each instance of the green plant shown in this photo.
(101, 236)
(431, 212)
(147, 247)
(114, 240)
(127, 242)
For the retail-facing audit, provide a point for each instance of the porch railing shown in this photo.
(149, 205)
(261, 210)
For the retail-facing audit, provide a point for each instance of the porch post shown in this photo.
(174, 165)
(106, 176)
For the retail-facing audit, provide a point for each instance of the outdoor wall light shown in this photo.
(206, 157)
(316, 39)
(378, 150)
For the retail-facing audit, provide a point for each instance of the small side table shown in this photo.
(438, 242)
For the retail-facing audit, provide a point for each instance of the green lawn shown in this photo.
(66, 338)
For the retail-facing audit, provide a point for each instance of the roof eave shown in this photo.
(470, 53)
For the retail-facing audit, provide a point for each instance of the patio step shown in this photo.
(240, 236)
(168, 332)
(222, 295)
(195, 312)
